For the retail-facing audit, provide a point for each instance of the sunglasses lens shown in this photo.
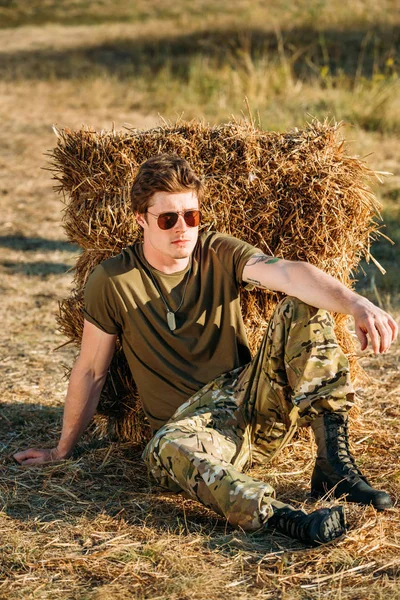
(167, 220)
(192, 218)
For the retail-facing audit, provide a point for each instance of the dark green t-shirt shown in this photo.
(170, 366)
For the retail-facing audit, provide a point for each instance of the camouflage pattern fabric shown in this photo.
(249, 414)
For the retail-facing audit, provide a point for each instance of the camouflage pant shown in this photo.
(248, 414)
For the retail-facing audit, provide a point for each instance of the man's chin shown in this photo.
(183, 251)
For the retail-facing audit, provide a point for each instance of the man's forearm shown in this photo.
(86, 382)
(80, 405)
(314, 287)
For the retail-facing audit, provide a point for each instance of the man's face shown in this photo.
(169, 245)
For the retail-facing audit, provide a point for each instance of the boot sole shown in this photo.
(332, 527)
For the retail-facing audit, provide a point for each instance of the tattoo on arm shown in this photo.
(258, 283)
(262, 258)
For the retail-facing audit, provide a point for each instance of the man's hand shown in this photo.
(374, 324)
(314, 287)
(38, 456)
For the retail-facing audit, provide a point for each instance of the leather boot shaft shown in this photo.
(333, 450)
(335, 468)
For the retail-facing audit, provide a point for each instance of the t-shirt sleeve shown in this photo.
(234, 254)
(100, 302)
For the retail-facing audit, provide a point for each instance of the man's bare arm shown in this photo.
(313, 286)
(86, 382)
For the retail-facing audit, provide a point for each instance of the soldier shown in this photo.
(174, 301)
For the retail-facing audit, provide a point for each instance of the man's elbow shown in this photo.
(89, 370)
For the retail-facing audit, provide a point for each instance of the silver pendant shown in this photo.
(171, 320)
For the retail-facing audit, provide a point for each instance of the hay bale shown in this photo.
(296, 195)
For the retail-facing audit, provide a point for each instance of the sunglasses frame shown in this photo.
(177, 214)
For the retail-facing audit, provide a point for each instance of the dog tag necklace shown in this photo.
(171, 321)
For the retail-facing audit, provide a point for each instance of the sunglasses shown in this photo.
(168, 220)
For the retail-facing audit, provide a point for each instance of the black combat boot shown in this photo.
(336, 468)
(319, 527)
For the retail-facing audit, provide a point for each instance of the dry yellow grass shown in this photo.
(93, 527)
(62, 527)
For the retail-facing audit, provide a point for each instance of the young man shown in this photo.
(174, 300)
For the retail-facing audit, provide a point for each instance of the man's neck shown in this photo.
(165, 264)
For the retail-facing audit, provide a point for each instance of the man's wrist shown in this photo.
(62, 452)
(359, 306)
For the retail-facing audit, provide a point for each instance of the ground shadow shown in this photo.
(353, 52)
(102, 477)
(22, 423)
(369, 279)
(33, 244)
(35, 269)
(26, 244)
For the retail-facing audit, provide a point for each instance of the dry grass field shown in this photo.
(94, 527)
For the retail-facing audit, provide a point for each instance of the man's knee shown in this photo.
(173, 440)
(159, 456)
(158, 445)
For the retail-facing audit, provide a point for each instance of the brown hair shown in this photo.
(163, 173)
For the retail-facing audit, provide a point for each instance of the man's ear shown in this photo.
(141, 219)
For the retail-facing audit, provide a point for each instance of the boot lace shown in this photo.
(339, 449)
